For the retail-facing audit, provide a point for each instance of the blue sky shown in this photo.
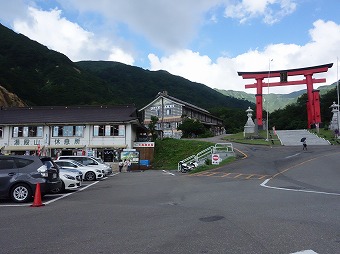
(206, 41)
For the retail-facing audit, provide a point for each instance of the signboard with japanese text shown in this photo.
(144, 144)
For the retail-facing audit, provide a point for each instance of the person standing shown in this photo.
(304, 145)
(120, 165)
(128, 163)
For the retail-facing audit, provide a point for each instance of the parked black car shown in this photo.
(19, 175)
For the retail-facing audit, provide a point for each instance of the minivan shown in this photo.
(19, 175)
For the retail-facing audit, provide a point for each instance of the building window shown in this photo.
(79, 131)
(1, 131)
(108, 130)
(34, 131)
(68, 131)
(27, 131)
(168, 111)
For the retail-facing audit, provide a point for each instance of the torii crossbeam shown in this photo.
(313, 103)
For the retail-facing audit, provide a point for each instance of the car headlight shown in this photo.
(99, 171)
(69, 177)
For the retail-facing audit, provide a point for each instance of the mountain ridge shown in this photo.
(40, 76)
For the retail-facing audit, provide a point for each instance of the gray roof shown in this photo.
(185, 104)
(68, 114)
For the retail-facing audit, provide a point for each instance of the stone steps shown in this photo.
(293, 138)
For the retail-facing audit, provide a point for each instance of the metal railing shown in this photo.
(200, 157)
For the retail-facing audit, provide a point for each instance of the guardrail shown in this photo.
(201, 156)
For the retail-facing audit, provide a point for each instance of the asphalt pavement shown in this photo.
(293, 209)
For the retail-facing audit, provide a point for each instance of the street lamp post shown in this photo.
(267, 122)
(337, 90)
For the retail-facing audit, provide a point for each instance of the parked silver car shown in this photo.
(88, 161)
(89, 173)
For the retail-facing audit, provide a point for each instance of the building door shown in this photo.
(109, 155)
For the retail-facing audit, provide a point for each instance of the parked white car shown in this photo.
(88, 161)
(107, 168)
(71, 180)
(89, 173)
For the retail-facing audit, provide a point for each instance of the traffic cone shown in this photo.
(37, 197)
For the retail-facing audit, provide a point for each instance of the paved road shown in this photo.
(293, 210)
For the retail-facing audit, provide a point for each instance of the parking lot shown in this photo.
(50, 198)
(168, 212)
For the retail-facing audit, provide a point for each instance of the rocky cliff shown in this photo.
(8, 99)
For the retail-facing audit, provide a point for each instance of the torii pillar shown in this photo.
(313, 103)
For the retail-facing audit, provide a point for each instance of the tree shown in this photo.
(190, 127)
(152, 127)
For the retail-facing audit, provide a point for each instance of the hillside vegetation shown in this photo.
(166, 157)
(40, 76)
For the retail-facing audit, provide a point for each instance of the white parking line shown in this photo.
(16, 205)
(53, 200)
(286, 189)
(291, 156)
(68, 194)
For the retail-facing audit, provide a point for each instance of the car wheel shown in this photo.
(21, 193)
(90, 176)
(59, 190)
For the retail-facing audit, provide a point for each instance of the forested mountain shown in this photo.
(294, 116)
(41, 76)
(139, 86)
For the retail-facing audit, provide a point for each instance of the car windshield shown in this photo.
(99, 160)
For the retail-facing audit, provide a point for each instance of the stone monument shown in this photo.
(249, 128)
(334, 125)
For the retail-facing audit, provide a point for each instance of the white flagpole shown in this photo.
(337, 90)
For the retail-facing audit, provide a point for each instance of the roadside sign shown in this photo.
(215, 158)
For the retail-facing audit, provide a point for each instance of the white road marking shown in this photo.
(168, 173)
(305, 252)
(291, 156)
(16, 205)
(68, 194)
(53, 200)
(286, 189)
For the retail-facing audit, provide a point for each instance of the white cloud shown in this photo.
(56, 32)
(11, 9)
(119, 55)
(272, 11)
(168, 25)
(222, 74)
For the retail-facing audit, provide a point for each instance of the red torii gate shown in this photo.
(313, 103)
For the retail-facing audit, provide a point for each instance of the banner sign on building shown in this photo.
(144, 144)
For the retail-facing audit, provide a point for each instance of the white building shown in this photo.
(54, 130)
(171, 111)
